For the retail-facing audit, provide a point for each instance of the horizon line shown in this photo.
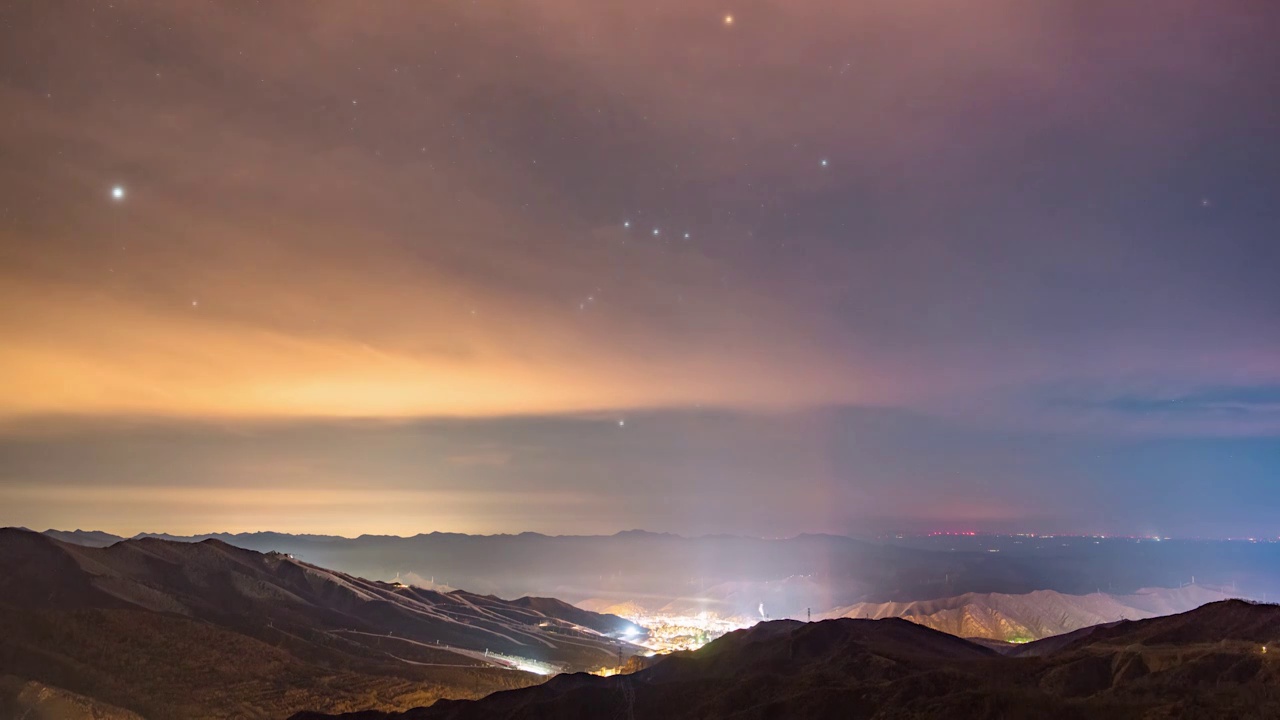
(642, 532)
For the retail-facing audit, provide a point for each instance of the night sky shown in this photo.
(578, 266)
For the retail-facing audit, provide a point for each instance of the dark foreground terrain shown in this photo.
(207, 630)
(1208, 663)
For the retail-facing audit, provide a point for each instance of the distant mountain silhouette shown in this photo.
(1208, 663)
(88, 538)
(731, 575)
(179, 629)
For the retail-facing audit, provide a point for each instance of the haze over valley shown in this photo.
(1037, 587)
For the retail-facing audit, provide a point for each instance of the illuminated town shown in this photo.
(672, 633)
(675, 633)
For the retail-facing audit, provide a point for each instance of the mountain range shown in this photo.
(732, 575)
(1032, 616)
(206, 629)
(1212, 662)
(120, 629)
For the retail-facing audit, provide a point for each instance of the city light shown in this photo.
(673, 633)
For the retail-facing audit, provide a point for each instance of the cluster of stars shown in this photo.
(117, 193)
(626, 224)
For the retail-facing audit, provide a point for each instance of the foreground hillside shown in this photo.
(1032, 616)
(30, 700)
(207, 630)
(1208, 663)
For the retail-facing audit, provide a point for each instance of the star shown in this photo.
(686, 236)
(824, 162)
(728, 19)
(622, 423)
(626, 224)
(195, 303)
(117, 192)
(655, 231)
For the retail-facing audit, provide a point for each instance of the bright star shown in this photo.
(728, 19)
(626, 223)
(824, 162)
(655, 231)
(622, 423)
(686, 236)
(117, 192)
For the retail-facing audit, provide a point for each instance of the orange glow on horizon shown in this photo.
(110, 356)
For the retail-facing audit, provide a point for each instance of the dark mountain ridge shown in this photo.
(111, 623)
(1208, 663)
(1037, 615)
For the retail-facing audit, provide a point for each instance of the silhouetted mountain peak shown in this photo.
(1224, 621)
(637, 533)
(895, 668)
(147, 607)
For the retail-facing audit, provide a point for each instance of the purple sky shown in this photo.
(576, 266)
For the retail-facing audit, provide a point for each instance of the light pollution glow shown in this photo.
(817, 265)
